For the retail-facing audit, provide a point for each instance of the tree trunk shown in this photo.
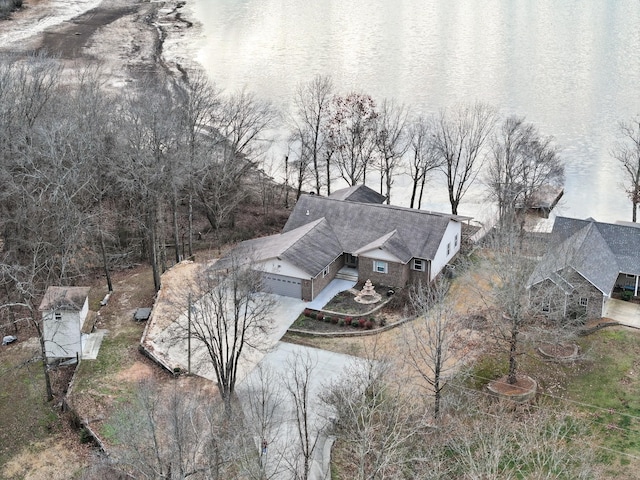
(328, 175)
(43, 351)
(424, 181)
(190, 225)
(635, 212)
(513, 351)
(174, 208)
(153, 250)
(104, 261)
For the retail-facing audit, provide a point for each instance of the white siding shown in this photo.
(62, 338)
(281, 267)
(379, 254)
(441, 258)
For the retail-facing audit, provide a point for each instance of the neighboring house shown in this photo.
(64, 310)
(358, 193)
(587, 260)
(360, 239)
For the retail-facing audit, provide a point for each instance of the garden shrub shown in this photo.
(320, 316)
(368, 324)
(361, 322)
(328, 318)
(334, 320)
(306, 312)
(626, 295)
(347, 320)
(341, 322)
(313, 315)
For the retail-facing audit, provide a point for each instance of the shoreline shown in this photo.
(128, 40)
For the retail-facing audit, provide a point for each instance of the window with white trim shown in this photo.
(58, 316)
(448, 248)
(419, 264)
(455, 240)
(584, 301)
(380, 266)
(325, 272)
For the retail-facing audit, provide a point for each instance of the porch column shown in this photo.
(635, 293)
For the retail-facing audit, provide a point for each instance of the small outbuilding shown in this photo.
(64, 311)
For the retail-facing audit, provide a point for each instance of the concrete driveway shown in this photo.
(172, 347)
(277, 369)
(625, 313)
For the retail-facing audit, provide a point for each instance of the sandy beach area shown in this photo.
(127, 39)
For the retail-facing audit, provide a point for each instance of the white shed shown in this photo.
(64, 310)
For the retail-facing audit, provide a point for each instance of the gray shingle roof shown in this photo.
(358, 193)
(598, 251)
(64, 298)
(310, 247)
(417, 233)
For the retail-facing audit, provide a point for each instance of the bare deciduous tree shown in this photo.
(352, 129)
(627, 152)
(312, 101)
(375, 420)
(297, 381)
(429, 340)
(460, 137)
(169, 434)
(424, 158)
(391, 141)
(522, 163)
(229, 318)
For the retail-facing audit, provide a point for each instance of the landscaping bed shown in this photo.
(344, 302)
(317, 321)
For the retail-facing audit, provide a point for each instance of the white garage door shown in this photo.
(281, 285)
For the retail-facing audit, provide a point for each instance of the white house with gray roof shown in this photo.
(587, 261)
(389, 245)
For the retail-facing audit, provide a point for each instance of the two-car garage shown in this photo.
(282, 285)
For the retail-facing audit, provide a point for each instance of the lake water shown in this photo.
(570, 67)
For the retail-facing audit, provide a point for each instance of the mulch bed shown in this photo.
(558, 350)
(523, 385)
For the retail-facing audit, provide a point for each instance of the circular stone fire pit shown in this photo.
(368, 294)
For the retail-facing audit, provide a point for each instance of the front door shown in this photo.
(350, 261)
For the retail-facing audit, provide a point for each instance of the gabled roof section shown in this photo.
(358, 193)
(417, 233)
(64, 298)
(311, 247)
(597, 251)
(392, 243)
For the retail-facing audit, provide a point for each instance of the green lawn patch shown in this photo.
(25, 416)
(608, 389)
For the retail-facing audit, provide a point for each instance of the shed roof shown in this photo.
(64, 298)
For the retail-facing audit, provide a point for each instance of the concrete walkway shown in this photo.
(335, 287)
(625, 313)
(91, 344)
